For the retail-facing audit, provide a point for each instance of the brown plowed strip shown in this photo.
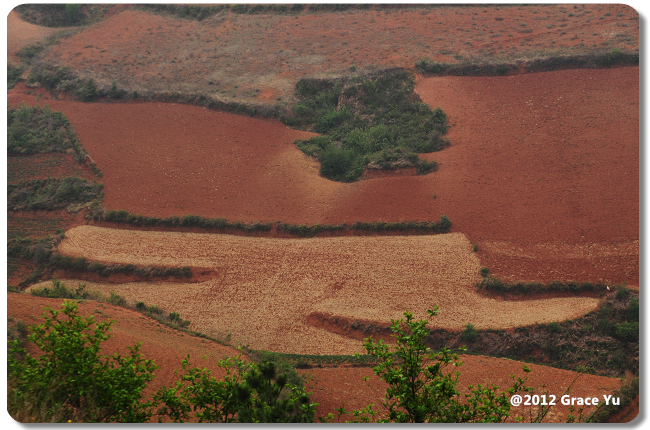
(265, 288)
(332, 386)
(548, 158)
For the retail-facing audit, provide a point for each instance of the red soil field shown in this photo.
(259, 57)
(549, 158)
(167, 346)
(329, 386)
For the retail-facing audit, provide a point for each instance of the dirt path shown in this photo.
(266, 287)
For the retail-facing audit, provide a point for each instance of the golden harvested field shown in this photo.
(265, 288)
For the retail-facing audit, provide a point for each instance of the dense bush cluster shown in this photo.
(34, 129)
(13, 74)
(373, 121)
(54, 15)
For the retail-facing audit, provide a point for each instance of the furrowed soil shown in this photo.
(330, 386)
(265, 288)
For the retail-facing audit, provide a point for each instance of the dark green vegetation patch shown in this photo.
(374, 121)
(35, 129)
(52, 194)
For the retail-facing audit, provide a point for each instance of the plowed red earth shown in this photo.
(330, 387)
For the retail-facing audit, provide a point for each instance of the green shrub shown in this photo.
(420, 389)
(69, 380)
(89, 91)
(485, 272)
(469, 333)
(627, 331)
(554, 327)
(374, 118)
(621, 292)
(632, 310)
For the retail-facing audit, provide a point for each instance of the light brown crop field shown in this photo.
(265, 288)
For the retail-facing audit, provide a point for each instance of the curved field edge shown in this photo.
(265, 288)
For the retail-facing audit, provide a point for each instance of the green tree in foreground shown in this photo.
(421, 388)
(248, 393)
(69, 380)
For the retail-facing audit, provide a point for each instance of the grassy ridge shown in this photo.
(495, 285)
(615, 57)
(301, 230)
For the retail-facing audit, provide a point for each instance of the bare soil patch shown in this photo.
(266, 288)
(543, 170)
(233, 56)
